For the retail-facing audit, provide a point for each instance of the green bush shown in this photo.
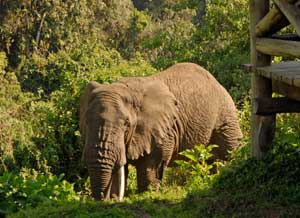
(252, 188)
(222, 44)
(15, 122)
(275, 178)
(30, 188)
(287, 129)
(44, 27)
(196, 169)
(172, 42)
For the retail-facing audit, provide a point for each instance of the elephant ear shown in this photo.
(86, 97)
(155, 119)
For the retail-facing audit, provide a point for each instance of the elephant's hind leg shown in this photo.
(149, 173)
(146, 178)
(227, 138)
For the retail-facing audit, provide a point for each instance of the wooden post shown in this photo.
(263, 127)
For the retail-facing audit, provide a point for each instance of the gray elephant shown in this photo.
(147, 121)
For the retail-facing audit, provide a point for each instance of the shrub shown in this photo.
(45, 27)
(196, 169)
(15, 122)
(171, 42)
(30, 188)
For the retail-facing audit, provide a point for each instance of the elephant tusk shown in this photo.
(121, 183)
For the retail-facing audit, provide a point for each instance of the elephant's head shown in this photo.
(119, 123)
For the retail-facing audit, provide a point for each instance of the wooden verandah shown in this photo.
(266, 19)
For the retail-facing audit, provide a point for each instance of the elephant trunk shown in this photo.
(105, 162)
(107, 175)
(105, 184)
(101, 181)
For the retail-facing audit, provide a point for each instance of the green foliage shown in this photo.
(3, 63)
(15, 123)
(71, 70)
(30, 188)
(172, 42)
(41, 27)
(279, 169)
(243, 152)
(76, 210)
(252, 188)
(287, 129)
(197, 169)
(149, 204)
(131, 43)
(248, 189)
(131, 186)
(265, 185)
(223, 44)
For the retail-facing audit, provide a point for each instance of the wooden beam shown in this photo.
(274, 21)
(285, 89)
(268, 106)
(262, 127)
(290, 36)
(271, 23)
(291, 12)
(277, 47)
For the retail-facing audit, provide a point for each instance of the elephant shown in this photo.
(147, 121)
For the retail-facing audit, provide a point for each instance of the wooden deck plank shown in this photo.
(287, 72)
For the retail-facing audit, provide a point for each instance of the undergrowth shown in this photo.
(29, 188)
(242, 188)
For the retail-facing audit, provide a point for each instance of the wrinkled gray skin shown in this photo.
(147, 121)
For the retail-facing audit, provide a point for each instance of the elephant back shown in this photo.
(201, 100)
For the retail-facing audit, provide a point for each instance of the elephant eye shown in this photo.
(127, 123)
(126, 132)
